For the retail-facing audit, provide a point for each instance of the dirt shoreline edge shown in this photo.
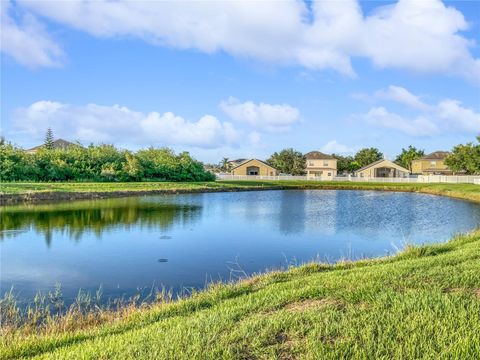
(54, 196)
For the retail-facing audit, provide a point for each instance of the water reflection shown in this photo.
(292, 213)
(183, 240)
(77, 218)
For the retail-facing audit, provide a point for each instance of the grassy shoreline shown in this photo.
(421, 303)
(11, 193)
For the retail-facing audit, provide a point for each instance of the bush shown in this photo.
(16, 164)
(98, 163)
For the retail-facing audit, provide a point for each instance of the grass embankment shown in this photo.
(422, 303)
(14, 192)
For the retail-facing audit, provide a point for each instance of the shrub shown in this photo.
(98, 163)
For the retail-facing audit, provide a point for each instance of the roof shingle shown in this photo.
(437, 155)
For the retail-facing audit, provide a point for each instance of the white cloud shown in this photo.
(402, 96)
(172, 129)
(456, 116)
(445, 116)
(423, 36)
(119, 124)
(271, 117)
(333, 147)
(27, 41)
(418, 126)
(254, 138)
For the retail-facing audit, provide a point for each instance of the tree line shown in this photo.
(107, 163)
(97, 163)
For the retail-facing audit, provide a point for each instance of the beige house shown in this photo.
(320, 165)
(382, 168)
(432, 164)
(254, 167)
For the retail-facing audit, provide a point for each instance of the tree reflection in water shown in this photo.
(97, 216)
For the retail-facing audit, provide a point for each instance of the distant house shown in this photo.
(57, 144)
(320, 165)
(236, 162)
(432, 164)
(254, 167)
(382, 168)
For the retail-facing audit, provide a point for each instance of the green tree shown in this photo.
(346, 163)
(406, 157)
(288, 161)
(15, 163)
(48, 143)
(132, 170)
(367, 156)
(109, 173)
(465, 158)
(189, 169)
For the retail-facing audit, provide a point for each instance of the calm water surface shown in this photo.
(186, 240)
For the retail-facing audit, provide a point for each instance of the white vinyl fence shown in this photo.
(260, 177)
(418, 179)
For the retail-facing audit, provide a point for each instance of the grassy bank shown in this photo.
(17, 192)
(422, 303)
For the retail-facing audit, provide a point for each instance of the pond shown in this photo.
(185, 241)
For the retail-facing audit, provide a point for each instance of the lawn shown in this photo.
(422, 303)
(25, 188)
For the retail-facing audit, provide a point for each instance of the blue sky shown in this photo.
(242, 79)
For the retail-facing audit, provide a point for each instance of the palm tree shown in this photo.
(225, 164)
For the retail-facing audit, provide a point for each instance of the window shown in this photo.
(311, 163)
(325, 162)
(433, 163)
(329, 174)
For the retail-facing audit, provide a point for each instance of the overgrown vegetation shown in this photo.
(98, 163)
(47, 310)
(422, 303)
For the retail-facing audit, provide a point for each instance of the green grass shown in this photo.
(464, 191)
(422, 303)
(25, 188)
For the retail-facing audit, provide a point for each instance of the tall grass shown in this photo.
(48, 312)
